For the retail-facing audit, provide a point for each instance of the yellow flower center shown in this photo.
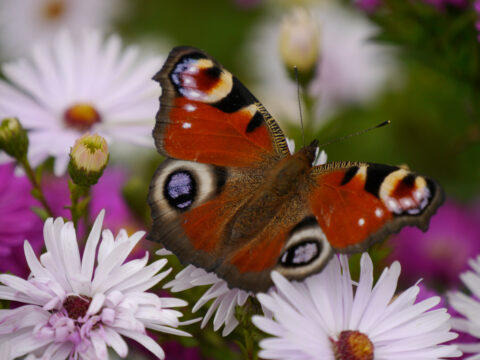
(353, 345)
(54, 9)
(81, 117)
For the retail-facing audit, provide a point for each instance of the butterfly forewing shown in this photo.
(207, 115)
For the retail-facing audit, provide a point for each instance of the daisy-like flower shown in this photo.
(80, 84)
(22, 23)
(324, 318)
(74, 309)
(225, 298)
(469, 308)
(440, 254)
(350, 69)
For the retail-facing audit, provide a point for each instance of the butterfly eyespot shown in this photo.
(180, 189)
(181, 185)
(301, 254)
(306, 250)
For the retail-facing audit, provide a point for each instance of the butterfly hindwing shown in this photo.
(207, 115)
(357, 204)
(198, 208)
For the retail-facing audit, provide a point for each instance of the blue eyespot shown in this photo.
(180, 189)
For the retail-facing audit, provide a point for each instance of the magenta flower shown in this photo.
(440, 254)
(442, 4)
(17, 221)
(106, 194)
(176, 351)
(369, 6)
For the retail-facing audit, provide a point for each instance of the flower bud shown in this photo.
(88, 158)
(13, 138)
(299, 44)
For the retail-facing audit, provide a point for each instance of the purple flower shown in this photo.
(175, 350)
(426, 293)
(442, 4)
(107, 194)
(17, 221)
(369, 6)
(440, 254)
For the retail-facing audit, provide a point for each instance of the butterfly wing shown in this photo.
(220, 140)
(197, 207)
(207, 115)
(342, 207)
(357, 204)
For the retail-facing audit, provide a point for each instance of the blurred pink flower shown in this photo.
(368, 6)
(106, 194)
(16, 202)
(17, 221)
(440, 254)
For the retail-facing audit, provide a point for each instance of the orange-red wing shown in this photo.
(207, 115)
(358, 204)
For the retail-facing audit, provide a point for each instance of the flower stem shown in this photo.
(38, 192)
(80, 198)
(251, 335)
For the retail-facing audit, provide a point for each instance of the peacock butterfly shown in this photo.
(230, 197)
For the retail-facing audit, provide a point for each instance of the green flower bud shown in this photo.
(299, 44)
(88, 158)
(13, 138)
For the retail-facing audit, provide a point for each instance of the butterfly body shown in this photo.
(231, 198)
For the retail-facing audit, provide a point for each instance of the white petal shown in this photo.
(90, 247)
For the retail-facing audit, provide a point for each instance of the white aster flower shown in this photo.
(351, 67)
(324, 318)
(226, 299)
(469, 307)
(78, 85)
(25, 22)
(76, 309)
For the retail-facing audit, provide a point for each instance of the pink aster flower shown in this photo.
(329, 316)
(467, 310)
(77, 306)
(79, 84)
(440, 254)
(17, 221)
(25, 22)
(368, 6)
(224, 299)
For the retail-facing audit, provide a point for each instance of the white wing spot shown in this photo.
(361, 222)
(190, 107)
(186, 125)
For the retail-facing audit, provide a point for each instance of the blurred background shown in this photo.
(362, 62)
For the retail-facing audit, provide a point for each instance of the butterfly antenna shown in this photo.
(295, 69)
(355, 134)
